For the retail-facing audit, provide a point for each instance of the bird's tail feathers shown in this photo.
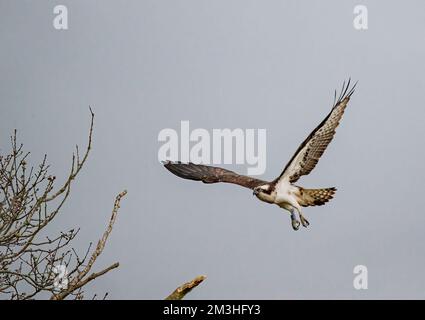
(315, 197)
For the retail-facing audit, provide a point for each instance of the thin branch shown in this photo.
(28, 203)
(75, 169)
(79, 280)
(184, 289)
(82, 283)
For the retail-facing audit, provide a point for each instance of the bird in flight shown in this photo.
(282, 191)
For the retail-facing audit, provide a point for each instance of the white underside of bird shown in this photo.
(286, 196)
(281, 191)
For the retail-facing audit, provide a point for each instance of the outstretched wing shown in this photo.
(208, 174)
(309, 152)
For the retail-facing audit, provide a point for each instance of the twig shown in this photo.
(184, 289)
(79, 280)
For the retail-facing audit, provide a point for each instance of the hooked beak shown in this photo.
(255, 192)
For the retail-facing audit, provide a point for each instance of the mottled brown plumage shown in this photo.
(309, 152)
(209, 174)
(282, 191)
(315, 197)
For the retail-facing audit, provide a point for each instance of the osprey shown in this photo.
(282, 191)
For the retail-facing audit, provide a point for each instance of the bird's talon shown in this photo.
(305, 222)
(295, 224)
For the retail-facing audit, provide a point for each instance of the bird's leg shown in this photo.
(294, 221)
(304, 221)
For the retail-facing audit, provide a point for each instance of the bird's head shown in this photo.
(263, 189)
(265, 193)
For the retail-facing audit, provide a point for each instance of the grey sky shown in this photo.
(147, 65)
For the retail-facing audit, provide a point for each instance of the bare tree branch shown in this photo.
(184, 289)
(29, 201)
(79, 280)
(31, 265)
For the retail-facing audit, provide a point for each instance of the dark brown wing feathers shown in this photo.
(209, 174)
(320, 138)
(302, 162)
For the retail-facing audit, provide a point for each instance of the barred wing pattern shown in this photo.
(309, 152)
(209, 174)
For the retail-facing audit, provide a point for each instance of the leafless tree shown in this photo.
(34, 264)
